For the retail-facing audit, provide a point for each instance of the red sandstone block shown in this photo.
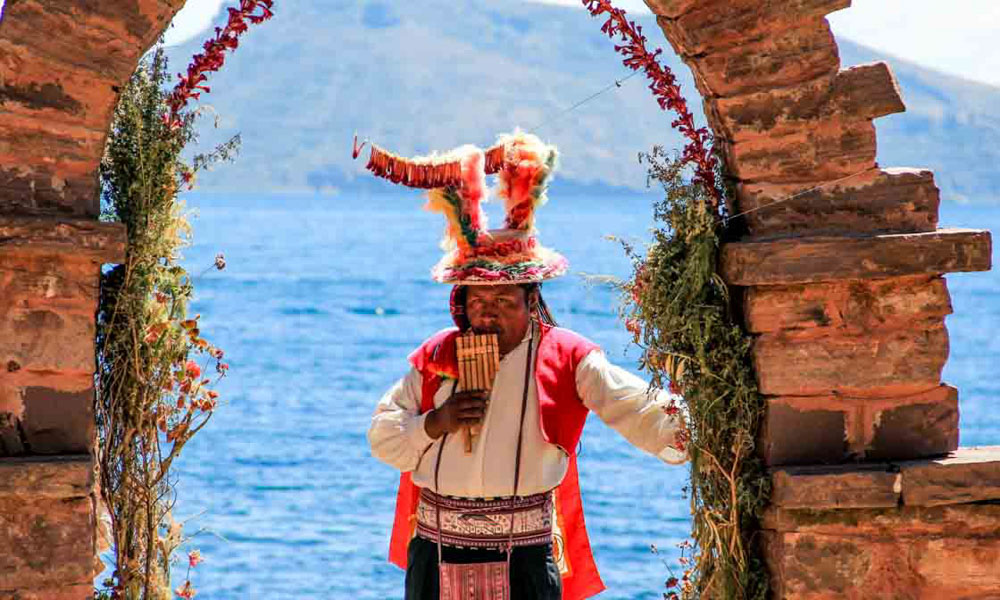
(81, 591)
(40, 191)
(957, 520)
(784, 439)
(919, 427)
(827, 150)
(811, 259)
(966, 475)
(722, 24)
(816, 567)
(33, 143)
(33, 84)
(48, 477)
(813, 567)
(53, 542)
(883, 363)
(103, 37)
(842, 428)
(786, 58)
(877, 201)
(848, 307)
(858, 93)
(840, 487)
(79, 239)
(46, 340)
(958, 568)
(57, 422)
(671, 8)
(54, 281)
(48, 421)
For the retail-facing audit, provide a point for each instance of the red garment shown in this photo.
(562, 416)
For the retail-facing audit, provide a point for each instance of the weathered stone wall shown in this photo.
(842, 288)
(62, 63)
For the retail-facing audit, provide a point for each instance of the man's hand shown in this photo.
(463, 409)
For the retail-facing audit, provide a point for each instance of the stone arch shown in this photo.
(832, 278)
(58, 91)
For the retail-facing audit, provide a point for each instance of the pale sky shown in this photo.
(957, 37)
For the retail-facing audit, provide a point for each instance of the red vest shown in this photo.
(562, 416)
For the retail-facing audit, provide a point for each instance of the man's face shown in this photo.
(499, 309)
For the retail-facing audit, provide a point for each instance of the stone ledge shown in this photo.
(811, 259)
(721, 24)
(838, 486)
(81, 238)
(967, 475)
(881, 201)
(48, 477)
(860, 92)
(962, 477)
(846, 307)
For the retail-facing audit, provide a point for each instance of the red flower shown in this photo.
(187, 592)
(192, 370)
(226, 38)
(672, 582)
(665, 88)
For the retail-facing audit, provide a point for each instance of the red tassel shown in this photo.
(494, 159)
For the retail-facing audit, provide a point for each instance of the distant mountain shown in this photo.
(434, 74)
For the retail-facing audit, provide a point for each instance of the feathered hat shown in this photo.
(475, 255)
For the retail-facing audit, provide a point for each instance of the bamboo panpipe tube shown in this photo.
(478, 361)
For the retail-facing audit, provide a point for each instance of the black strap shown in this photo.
(437, 470)
(520, 435)
(517, 459)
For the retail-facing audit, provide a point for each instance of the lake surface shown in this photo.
(322, 300)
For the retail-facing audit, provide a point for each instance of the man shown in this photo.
(514, 496)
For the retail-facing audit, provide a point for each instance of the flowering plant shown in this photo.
(679, 312)
(663, 84)
(154, 391)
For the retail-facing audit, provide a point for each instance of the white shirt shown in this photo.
(622, 400)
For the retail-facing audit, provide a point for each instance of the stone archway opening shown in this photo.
(843, 290)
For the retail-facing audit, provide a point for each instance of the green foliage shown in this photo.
(681, 315)
(151, 394)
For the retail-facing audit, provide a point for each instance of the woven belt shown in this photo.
(474, 523)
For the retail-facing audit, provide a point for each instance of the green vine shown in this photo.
(681, 314)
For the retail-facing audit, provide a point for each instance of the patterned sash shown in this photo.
(486, 524)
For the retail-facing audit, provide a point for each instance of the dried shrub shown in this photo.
(682, 317)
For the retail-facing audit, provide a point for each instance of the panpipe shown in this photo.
(478, 361)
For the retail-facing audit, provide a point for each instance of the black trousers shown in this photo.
(533, 572)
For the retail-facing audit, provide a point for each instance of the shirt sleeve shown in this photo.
(396, 435)
(627, 405)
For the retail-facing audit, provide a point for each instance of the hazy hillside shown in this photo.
(420, 76)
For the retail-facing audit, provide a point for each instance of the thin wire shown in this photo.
(617, 84)
(798, 194)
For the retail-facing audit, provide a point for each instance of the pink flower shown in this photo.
(194, 558)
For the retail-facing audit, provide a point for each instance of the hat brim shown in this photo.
(479, 272)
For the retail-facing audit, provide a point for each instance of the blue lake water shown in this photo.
(322, 300)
